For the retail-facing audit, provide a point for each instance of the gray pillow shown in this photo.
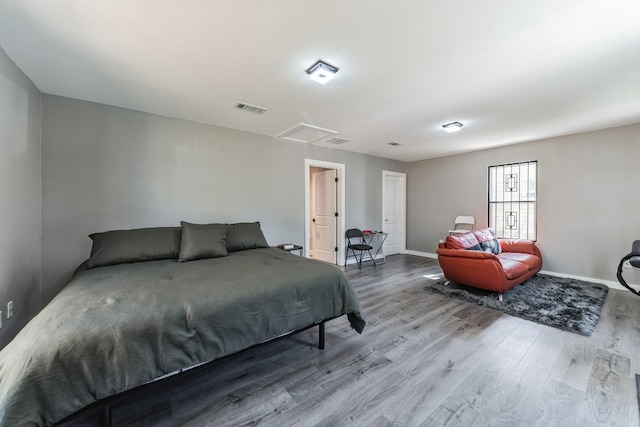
(202, 241)
(245, 235)
(139, 244)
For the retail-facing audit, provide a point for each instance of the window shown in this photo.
(512, 200)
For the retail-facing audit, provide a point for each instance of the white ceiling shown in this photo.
(510, 70)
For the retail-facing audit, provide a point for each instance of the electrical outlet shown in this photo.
(9, 309)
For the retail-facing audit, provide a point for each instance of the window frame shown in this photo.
(500, 232)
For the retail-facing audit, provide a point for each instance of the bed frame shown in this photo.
(103, 407)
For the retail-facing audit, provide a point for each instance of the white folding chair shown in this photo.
(463, 224)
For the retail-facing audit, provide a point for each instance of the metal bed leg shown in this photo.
(105, 416)
(321, 336)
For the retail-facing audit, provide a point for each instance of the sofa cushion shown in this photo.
(488, 240)
(513, 269)
(529, 260)
(463, 241)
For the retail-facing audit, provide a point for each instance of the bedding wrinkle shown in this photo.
(117, 327)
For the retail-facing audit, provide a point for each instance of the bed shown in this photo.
(144, 316)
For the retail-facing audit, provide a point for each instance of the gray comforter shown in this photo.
(114, 328)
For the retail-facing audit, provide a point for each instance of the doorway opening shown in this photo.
(324, 211)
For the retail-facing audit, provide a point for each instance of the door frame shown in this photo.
(340, 203)
(402, 198)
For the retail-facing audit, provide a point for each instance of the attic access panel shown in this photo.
(303, 132)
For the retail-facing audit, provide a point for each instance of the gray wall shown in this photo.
(20, 202)
(105, 168)
(111, 168)
(588, 197)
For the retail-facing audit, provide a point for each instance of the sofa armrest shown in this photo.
(476, 268)
(521, 246)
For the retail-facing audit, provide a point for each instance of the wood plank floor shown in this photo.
(423, 360)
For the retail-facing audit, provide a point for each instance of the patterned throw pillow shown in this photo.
(488, 241)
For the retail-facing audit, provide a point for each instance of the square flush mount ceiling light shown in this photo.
(452, 127)
(322, 72)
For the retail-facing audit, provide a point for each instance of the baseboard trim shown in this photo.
(422, 254)
(609, 283)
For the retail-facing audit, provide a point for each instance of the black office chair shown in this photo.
(634, 260)
(358, 244)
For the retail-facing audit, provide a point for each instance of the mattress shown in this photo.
(114, 328)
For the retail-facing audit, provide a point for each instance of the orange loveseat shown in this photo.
(480, 260)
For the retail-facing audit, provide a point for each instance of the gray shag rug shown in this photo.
(568, 304)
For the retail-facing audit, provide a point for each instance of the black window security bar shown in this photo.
(512, 200)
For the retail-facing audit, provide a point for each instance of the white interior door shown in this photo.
(393, 211)
(324, 215)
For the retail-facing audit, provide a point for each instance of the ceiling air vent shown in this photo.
(250, 108)
(337, 140)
